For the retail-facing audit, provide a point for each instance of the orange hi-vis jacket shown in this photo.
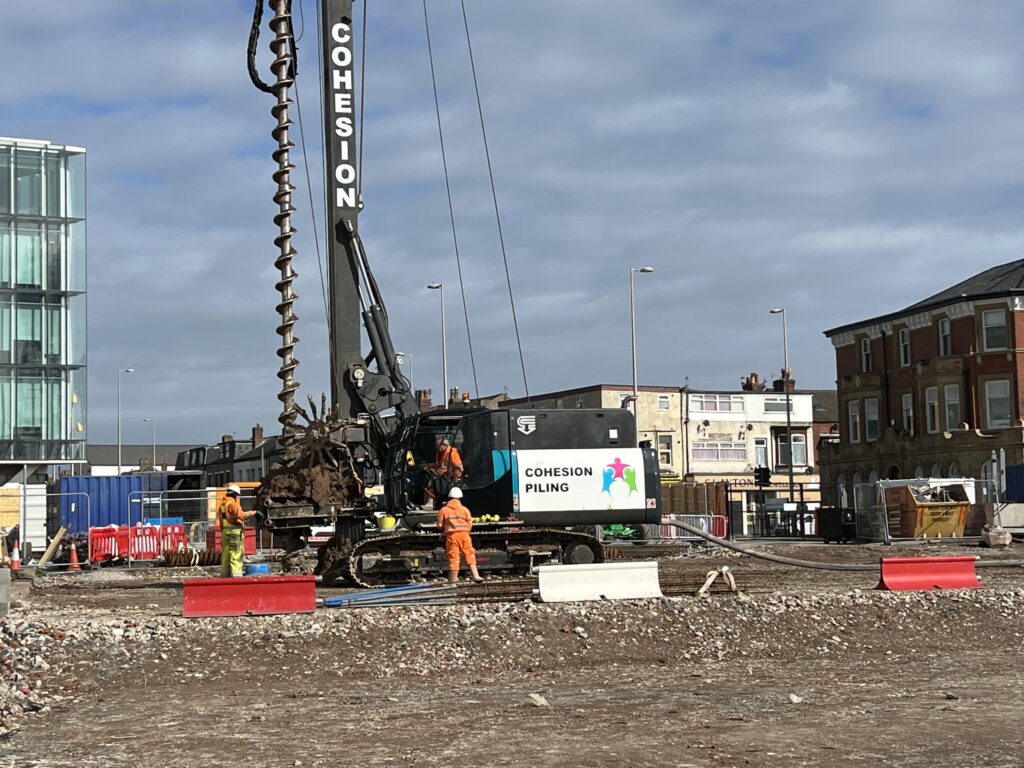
(455, 518)
(449, 460)
(230, 513)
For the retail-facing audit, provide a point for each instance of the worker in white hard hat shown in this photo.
(456, 521)
(231, 521)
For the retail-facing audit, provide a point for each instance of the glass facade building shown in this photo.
(42, 303)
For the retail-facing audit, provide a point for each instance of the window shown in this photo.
(994, 326)
(29, 423)
(777, 404)
(717, 402)
(799, 450)
(28, 183)
(853, 410)
(945, 340)
(719, 452)
(871, 419)
(904, 346)
(665, 450)
(623, 396)
(53, 192)
(5, 255)
(908, 413)
(579, 401)
(998, 410)
(5, 180)
(865, 354)
(6, 382)
(760, 451)
(28, 347)
(951, 393)
(931, 409)
(662, 402)
(29, 257)
(55, 411)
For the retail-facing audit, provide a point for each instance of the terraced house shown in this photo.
(932, 390)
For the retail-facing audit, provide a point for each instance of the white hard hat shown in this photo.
(455, 493)
(233, 488)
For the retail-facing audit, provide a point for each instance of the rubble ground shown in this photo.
(804, 668)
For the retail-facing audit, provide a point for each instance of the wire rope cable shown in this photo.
(816, 564)
(451, 207)
(494, 197)
(362, 109)
(309, 184)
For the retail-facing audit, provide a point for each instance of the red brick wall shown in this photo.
(924, 346)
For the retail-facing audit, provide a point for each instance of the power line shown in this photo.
(494, 196)
(451, 208)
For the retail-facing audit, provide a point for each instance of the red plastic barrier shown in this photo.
(103, 544)
(901, 574)
(213, 539)
(143, 542)
(720, 526)
(248, 596)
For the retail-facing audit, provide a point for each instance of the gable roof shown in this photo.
(996, 282)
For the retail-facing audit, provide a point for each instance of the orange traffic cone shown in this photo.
(15, 557)
(74, 566)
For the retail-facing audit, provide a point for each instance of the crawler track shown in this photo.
(402, 558)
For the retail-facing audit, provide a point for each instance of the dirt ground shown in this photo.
(807, 668)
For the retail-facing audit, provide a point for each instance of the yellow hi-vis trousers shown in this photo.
(232, 548)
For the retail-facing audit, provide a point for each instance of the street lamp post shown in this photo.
(444, 343)
(120, 378)
(632, 324)
(785, 387)
(154, 439)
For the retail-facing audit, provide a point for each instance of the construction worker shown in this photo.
(456, 522)
(231, 521)
(448, 462)
(446, 471)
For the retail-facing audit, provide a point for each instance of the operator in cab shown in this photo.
(456, 521)
(447, 470)
(231, 521)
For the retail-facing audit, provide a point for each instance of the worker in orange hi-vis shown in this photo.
(447, 470)
(448, 461)
(456, 522)
(231, 521)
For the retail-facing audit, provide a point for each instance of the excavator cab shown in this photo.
(537, 467)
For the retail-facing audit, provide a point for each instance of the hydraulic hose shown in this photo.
(816, 564)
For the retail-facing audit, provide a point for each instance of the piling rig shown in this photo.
(533, 473)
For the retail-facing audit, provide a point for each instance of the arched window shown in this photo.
(954, 470)
(842, 497)
(936, 470)
(858, 491)
(873, 477)
(918, 471)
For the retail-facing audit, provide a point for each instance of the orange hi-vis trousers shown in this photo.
(459, 544)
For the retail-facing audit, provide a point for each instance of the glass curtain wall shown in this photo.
(42, 302)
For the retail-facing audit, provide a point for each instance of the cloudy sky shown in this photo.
(841, 159)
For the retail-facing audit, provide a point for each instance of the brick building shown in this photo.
(933, 389)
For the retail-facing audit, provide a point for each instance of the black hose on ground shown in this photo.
(816, 564)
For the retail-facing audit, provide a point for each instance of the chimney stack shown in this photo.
(423, 401)
(257, 436)
(752, 383)
(785, 382)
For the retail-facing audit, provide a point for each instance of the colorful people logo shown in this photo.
(617, 471)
